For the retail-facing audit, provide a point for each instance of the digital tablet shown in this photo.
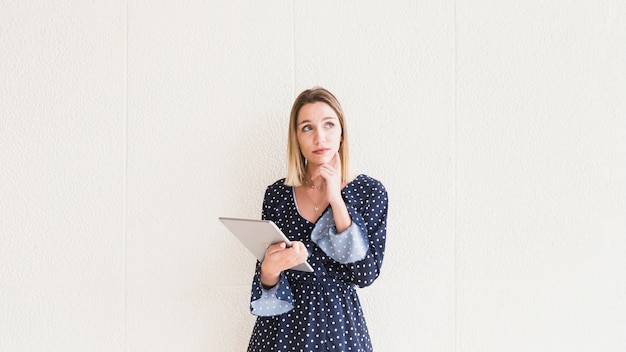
(257, 235)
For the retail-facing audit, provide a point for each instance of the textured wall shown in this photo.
(127, 127)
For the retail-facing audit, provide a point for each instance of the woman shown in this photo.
(337, 222)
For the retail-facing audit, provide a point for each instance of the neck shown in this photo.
(308, 183)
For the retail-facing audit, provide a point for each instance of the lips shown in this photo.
(321, 151)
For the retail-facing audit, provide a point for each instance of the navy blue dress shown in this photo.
(320, 311)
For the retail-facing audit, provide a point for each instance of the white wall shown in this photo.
(128, 127)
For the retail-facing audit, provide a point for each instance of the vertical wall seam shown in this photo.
(454, 174)
(293, 46)
(125, 205)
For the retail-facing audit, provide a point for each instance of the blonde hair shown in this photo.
(296, 163)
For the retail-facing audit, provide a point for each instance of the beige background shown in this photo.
(127, 127)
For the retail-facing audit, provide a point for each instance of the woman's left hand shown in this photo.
(331, 174)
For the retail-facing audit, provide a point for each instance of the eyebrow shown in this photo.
(323, 119)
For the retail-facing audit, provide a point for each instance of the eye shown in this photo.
(306, 128)
(329, 125)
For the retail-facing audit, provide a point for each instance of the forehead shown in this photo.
(315, 111)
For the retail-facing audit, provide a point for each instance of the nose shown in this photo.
(320, 137)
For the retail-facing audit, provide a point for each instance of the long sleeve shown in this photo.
(278, 299)
(357, 253)
(373, 221)
(368, 210)
(274, 301)
(346, 247)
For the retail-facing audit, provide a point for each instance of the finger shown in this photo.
(327, 170)
(299, 249)
(303, 250)
(297, 246)
(315, 174)
(275, 248)
(300, 253)
(329, 175)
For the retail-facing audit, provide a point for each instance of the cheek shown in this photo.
(303, 143)
(338, 137)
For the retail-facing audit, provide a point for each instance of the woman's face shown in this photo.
(319, 133)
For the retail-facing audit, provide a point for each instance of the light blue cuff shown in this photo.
(346, 247)
(269, 304)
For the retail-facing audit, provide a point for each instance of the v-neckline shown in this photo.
(295, 202)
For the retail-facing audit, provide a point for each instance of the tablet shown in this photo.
(257, 235)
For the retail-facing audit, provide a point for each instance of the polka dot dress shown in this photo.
(320, 311)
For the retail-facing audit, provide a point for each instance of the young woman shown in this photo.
(336, 221)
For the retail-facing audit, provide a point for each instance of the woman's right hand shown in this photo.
(279, 257)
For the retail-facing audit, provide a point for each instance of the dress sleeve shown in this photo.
(278, 299)
(372, 220)
(268, 302)
(346, 247)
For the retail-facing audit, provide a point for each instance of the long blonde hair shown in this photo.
(296, 163)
